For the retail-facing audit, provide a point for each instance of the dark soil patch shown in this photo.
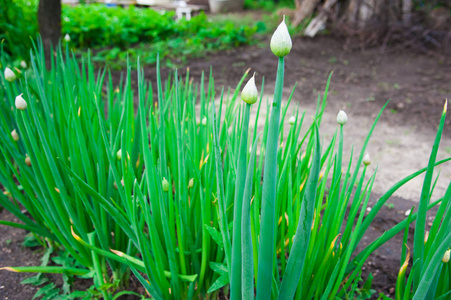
(417, 84)
(12, 253)
(384, 263)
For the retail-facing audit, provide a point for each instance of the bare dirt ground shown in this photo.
(362, 82)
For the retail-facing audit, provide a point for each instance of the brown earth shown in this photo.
(417, 85)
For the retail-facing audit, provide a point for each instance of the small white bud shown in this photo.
(342, 118)
(21, 103)
(14, 135)
(165, 184)
(367, 159)
(191, 183)
(23, 64)
(119, 154)
(426, 236)
(67, 38)
(407, 213)
(9, 75)
(28, 161)
(204, 121)
(281, 41)
(445, 258)
(249, 94)
(292, 120)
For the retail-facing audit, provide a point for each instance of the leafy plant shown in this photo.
(18, 26)
(118, 33)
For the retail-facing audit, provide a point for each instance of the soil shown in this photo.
(362, 82)
(12, 253)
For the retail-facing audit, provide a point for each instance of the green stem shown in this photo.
(266, 247)
(235, 284)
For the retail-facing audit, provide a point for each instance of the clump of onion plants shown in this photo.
(159, 181)
(429, 276)
(300, 211)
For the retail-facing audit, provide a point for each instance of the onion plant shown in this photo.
(314, 220)
(158, 180)
(429, 276)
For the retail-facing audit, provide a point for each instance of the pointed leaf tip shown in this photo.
(75, 235)
(9, 269)
(117, 252)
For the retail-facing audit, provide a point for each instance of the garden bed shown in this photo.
(417, 85)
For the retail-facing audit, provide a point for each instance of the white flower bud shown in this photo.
(249, 94)
(367, 159)
(426, 236)
(20, 102)
(14, 135)
(281, 41)
(9, 75)
(165, 184)
(204, 121)
(119, 154)
(342, 118)
(67, 38)
(191, 183)
(292, 120)
(23, 64)
(28, 161)
(445, 258)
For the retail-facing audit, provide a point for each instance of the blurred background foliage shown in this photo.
(115, 32)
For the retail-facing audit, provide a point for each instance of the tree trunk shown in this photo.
(360, 13)
(407, 12)
(49, 19)
(305, 10)
(319, 21)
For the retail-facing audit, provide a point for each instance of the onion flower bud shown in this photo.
(342, 118)
(281, 41)
(10, 75)
(249, 94)
(21, 103)
(28, 161)
(165, 184)
(15, 135)
(367, 159)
